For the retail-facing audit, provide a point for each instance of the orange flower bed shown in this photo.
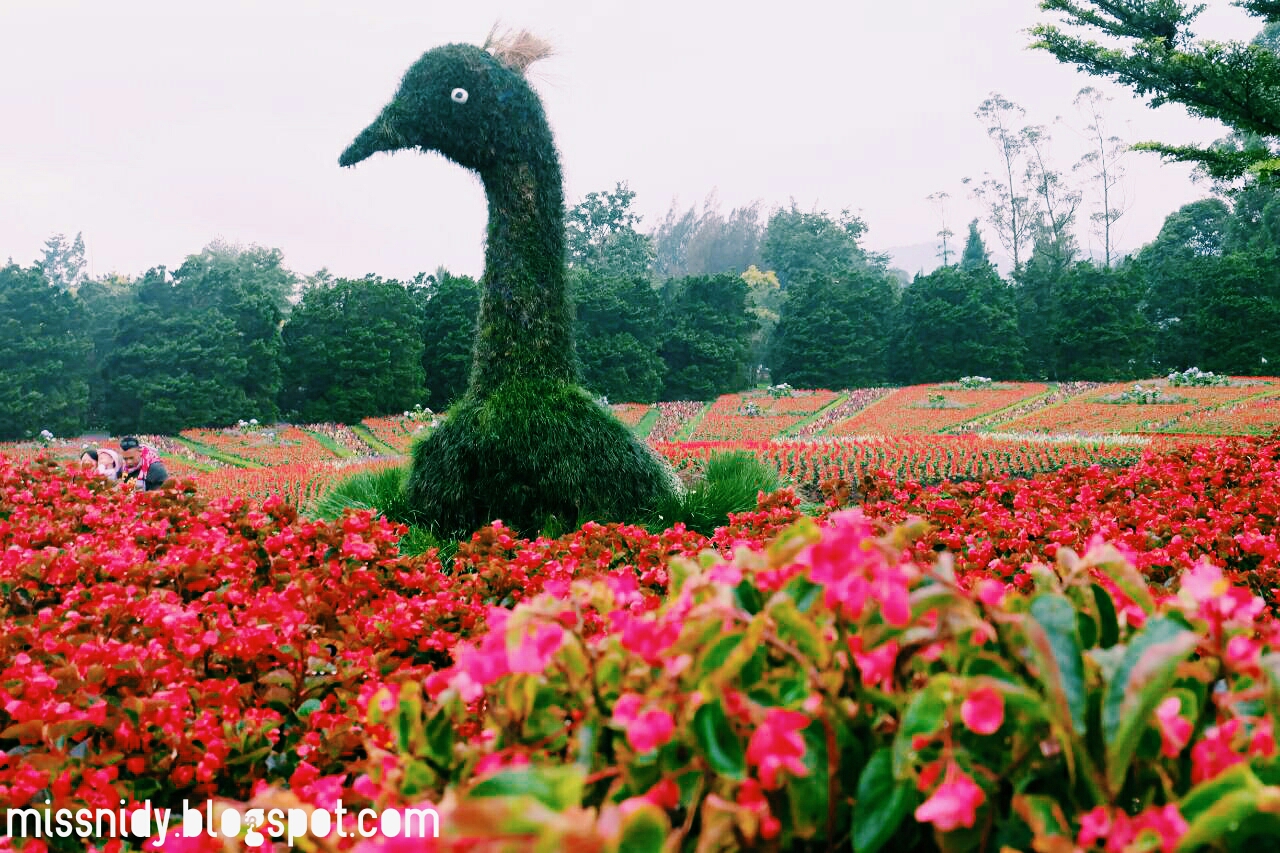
(399, 432)
(906, 411)
(269, 446)
(1089, 415)
(299, 484)
(630, 413)
(1255, 416)
(758, 416)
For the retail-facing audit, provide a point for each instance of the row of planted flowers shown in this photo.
(832, 682)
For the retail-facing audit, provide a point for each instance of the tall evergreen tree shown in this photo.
(618, 335)
(708, 338)
(352, 349)
(450, 305)
(44, 350)
(1099, 331)
(200, 347)
(958, 322)
(835, 329)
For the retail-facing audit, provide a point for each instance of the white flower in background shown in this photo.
(253, 421)
(45, 435)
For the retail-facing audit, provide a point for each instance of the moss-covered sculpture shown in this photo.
(526, 443)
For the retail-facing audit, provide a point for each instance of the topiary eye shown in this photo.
(459, 96)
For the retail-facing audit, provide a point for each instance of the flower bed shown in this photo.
(278, 445)
(908, 410)
(1092, 414)
(630, 413)
(846, 686)
(757, 416)
(1256, 416)
(299, 484)
(398, 432)
(928, 459)
(672, 417)
(854, 402)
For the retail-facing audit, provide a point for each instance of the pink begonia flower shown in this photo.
(991, 592)
(983, 711)
(1213, 753)
(1243, 652)
(536, 649)
(877, 665)
(778, 745)
(1175, 730)
(646, 729)
(953, 804)
(1095, 825)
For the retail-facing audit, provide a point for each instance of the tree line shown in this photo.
(233, 334)
(708, 303)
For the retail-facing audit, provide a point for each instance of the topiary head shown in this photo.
(471, 104)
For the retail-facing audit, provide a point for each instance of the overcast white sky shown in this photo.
(156, 127)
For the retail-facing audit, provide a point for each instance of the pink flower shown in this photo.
(1214, 753)
(1095, 825)
(1175, 731)
(953, 804)
(778, 745)
(876, 666)
(991, 592)
(536, 648)
(646, 729)
(983, 711)
(651, 730)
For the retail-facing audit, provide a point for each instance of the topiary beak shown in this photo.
(379, 136)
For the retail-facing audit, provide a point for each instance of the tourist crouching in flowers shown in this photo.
(142, 465)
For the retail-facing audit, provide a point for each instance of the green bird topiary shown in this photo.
(526, 444)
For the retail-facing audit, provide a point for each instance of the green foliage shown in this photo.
(795, 241)
(1233, 82)
(531, 451)
(64, 262)
(835, 329)
(45, 352)
(352, 349)
(601, 236)
(201, 348)
(450, 306)
(958, 321)
(708, 336)
(730, 483)
(381, 490)
(707, 242)
(1098, 326)
(975, 256)
(618, 333)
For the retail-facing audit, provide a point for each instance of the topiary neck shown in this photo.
(526, 321)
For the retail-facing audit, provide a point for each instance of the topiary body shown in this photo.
(525, 442)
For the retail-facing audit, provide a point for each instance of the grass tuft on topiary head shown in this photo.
(533, 453)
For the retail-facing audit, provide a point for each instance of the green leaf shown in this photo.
(1128, 579)
(1144, 676)
(719, 743)
(883, 802)
(1057, 645)
(748, 597)
(1217, 808)
(309, 707)
(807, 795)
(799, 630)
(1109, 627)
(644, 830)
(720, 651)
(924, 716)
(557, 788)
